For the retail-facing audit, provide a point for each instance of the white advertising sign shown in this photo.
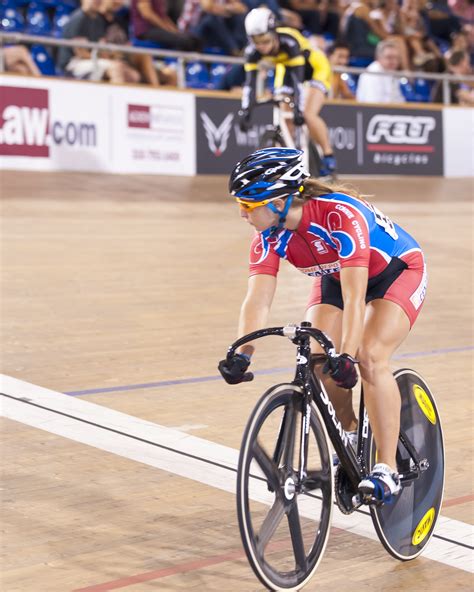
(77, 126)
(458, 126)
(154, 132)
(53, 125)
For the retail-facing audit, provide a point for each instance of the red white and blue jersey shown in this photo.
(336, 231)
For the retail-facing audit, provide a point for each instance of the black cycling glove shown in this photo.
(342, 370)
(234, 370)
(244, 119)
(298, 118)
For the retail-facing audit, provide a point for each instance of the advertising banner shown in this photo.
(154, 132)
(46, 126)
(386, 141)
(219, 140)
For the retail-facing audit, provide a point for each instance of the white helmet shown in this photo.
(260, 21)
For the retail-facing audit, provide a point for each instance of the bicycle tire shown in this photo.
(406, 526)
(270, 138)
(264, 535)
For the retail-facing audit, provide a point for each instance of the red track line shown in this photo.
(456, 501)
(216, 559)
(163, 573)
(182, 568)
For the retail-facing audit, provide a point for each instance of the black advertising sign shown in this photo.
(220, 142)
(366, 140)
(386, 141)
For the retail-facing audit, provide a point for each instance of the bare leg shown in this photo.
(115, 72)
(328, 318)
(314, 101)
(18, 59)
(386, 327)
(144, 63)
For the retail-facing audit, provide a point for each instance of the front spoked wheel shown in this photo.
(405, 526)
(284, 518)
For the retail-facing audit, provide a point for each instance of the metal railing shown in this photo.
(183, 57)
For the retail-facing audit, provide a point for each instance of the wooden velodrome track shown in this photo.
(124, 292)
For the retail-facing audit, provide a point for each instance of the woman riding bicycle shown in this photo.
(296, 62)
(369, 286)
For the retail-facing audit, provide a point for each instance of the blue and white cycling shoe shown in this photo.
(382, 484)
(328, 166)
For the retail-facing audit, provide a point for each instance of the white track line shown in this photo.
(172, 461)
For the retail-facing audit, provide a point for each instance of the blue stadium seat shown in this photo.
(217, 73)
(423, 90)
(11, 19)
(37, 20)
(408, 90)
(356, 62)
(144, 43)
(197, 75)
(61, 16)
(351, 80)
(43, 60)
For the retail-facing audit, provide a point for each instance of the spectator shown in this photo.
(381, 89)
(387, 15)
(117, 32)
(338, 55)
(462, 93)
(317, 16)
(361, 31)
(17, 59)
(422, 48)
(441, 20)
(87, 24)
(218, 23)
(151, 22)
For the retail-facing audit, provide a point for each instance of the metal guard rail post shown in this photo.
(183, 57)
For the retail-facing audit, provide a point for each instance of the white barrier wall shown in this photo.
(76, 126)
(458, 126)
(48, 124)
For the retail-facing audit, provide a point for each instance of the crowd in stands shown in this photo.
(381, 35)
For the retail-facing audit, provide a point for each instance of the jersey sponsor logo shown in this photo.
(27, 128)
(320, 247)
(360, 234)
(321, 269)
(419, 294)
(217, 136)
(346, 243)
(345, 211)
(400, 129)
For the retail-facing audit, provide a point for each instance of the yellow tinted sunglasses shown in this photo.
(248, 206)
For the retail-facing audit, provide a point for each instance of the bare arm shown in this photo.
(256, 306)
(146, 11)
(212, 7)
(353, 286)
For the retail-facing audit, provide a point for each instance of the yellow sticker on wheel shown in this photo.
(424, 527)
(424, 403)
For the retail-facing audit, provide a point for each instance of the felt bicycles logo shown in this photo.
(217, 136)
(26, 128)
(400, 129)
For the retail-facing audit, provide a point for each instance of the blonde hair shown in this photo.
(312, 188)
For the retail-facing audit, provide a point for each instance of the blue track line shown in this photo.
(198, 379)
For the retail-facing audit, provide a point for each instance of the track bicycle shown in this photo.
(284, 134)
(285, 480)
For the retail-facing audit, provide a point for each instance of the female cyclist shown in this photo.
(369, 286)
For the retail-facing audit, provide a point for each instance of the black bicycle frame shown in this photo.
(307, 380)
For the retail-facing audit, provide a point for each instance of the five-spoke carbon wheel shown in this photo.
(284, 517)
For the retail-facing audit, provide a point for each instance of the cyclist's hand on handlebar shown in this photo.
(244, 119)
(298, 118)
(234, 370)
(341, 368)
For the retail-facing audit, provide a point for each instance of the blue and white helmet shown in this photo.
(268, 174)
